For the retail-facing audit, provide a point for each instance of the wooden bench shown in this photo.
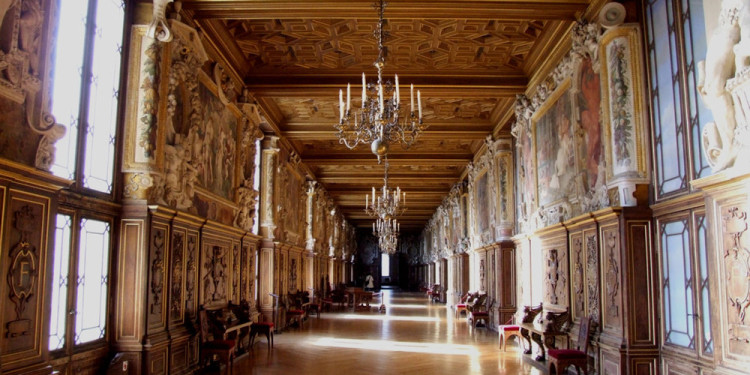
(544, 332)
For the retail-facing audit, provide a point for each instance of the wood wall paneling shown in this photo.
(26, 234)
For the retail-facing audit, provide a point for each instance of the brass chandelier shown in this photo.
(387, 232)
(379, 121)
(385, 207)
(389, 203)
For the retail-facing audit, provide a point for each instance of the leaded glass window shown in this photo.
(85, 89)
(676, 43)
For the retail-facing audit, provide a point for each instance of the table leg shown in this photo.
(525, 335)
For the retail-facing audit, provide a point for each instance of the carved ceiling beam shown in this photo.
(436, 9)
(495, 87)
(393, 161)
(324, 135)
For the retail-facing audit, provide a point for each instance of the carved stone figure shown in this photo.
(714, 73)
(30, 32)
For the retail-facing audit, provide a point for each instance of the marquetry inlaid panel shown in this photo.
(416, 44)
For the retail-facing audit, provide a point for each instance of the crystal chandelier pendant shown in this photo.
(379, 121)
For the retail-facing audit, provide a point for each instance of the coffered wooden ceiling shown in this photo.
(469, 59)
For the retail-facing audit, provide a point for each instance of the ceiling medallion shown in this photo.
(378, 121)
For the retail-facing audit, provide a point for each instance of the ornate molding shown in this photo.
(158, 28)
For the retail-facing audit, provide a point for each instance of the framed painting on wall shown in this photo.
(554, 146)
(481, 203)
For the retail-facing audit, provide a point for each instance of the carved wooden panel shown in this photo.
(592, 275)
(421, 44)
(157, 360)
(639, 302)
(610, 363)
(23, 262)
(235, 297)
(158, 245)
(179, 355)
(215, 271)
(734, 260)
(177, 276)
(191, 274)
(612, 276)
(578, 281)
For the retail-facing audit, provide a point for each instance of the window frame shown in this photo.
(684, 128)
(77, 216)
(691, 216)
(85, 94)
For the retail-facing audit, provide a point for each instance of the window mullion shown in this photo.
(72, 287)
(679, 26)
(86, 74)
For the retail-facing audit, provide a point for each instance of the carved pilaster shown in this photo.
(728, 214)
(268, 220)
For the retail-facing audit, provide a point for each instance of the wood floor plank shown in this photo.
(414, 336)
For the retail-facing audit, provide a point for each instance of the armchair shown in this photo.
(560, 359)
(210, 348)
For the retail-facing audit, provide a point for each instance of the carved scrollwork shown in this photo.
(215, 278)
(190, 271)
(578, 281)
(158, 28)
(592, 275)
(613, 275)
(737, 266)
(157, 270)
(177, 256)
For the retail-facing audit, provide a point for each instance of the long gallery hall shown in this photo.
(180, 178)
(413, 336)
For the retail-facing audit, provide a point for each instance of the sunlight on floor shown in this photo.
(390, 318)
(400, 306)
(397, 346)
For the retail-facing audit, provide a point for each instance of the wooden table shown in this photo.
(359, 297)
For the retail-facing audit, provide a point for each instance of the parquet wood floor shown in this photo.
(414, 336)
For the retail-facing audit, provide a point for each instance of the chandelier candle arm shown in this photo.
(412, 99)
(378, 121)
(419, 103)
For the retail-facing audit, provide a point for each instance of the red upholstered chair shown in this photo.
(294, 311)
(265, 328)
(223, 349)
(479, 311)
(461, 306)
(560, 359)
(507, 331)
(315, 304)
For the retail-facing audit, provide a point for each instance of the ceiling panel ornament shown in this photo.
(332, 44)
